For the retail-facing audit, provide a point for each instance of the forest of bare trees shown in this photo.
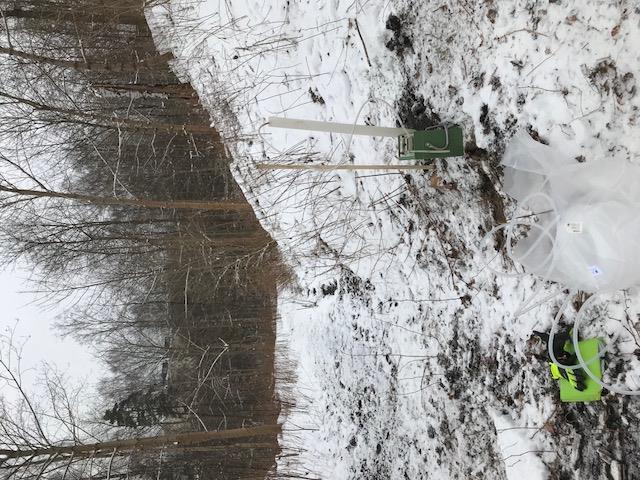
(116, 190)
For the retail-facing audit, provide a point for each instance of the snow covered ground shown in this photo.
(410, 362)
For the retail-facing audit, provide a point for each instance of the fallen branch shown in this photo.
(364, 46)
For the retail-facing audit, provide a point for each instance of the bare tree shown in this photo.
(114, 185)
(97, 200)
(37, 441)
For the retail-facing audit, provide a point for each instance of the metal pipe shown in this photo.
(346, 128)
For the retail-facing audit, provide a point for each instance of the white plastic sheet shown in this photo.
(588, 232)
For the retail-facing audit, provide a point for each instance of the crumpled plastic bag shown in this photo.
(587, 235)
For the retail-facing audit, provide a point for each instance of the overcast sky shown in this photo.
(34, 325)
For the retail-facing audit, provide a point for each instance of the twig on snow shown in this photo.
(364, 46)
(542, 62)
(532, 32)
(515, 455)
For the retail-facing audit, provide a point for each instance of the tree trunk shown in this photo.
(178, 90)
(220, 205)
(66, 14)
(177, 439)
(89, 66)
(111, 122)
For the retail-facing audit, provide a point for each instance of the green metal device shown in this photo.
(441, 141)
(437, 142)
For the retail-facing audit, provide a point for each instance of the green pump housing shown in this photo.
(437, 142)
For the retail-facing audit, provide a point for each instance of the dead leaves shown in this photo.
(615, 31)
(439, 184)
(571, 19)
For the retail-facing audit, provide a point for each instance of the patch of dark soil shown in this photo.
(329, 289)
(600, 436)
(416, 112)
(352, 284)
(492, 198)
(536, 136)
(475, 152)
(478, 81)
(625, 86)
(518, 64)
(485, 121)
(315, 96)
(460, 366)
(400, 41)
(606, 78)
(565, 475)
(579, 300)
(603, 75)
(495, 83)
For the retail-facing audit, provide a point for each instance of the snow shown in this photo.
(518, 449)
(405, 344)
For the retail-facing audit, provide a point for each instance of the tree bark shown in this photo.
(62, 13)
(176, 439)
(220, 205)
(177, 90)
(105, 66)
(111, 122)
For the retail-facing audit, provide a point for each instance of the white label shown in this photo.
(574, 227)
(595, 270)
